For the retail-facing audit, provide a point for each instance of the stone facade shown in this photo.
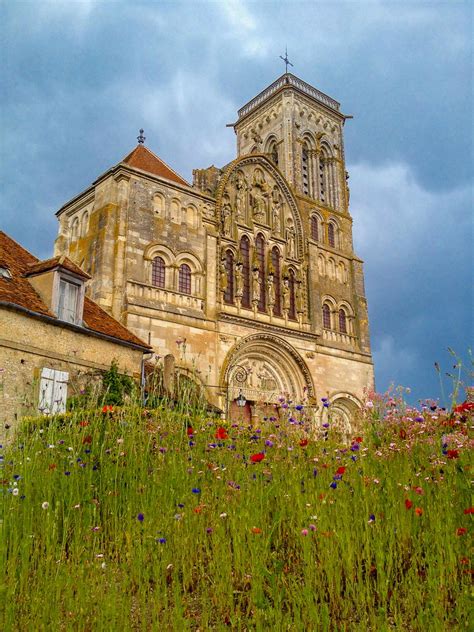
(248, 277)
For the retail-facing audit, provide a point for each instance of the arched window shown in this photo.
(273, 151)
(184, 279)
(276, 280)
(245, 258)
(315, 227)
(342, 321)
(75, 228)
(158, 272)
(292, 312)
(229, 264)
(331, 235)
(260, 248)
(305, 169)
(322, 179)
(85, 224)
(326, 316)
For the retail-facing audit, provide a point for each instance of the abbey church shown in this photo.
(245, 279)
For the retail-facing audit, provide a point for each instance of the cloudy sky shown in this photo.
(79, 78)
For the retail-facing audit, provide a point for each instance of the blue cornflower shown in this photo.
(162, 540)
(299, 407)
(333, 485)
(140, 517)
(67, 473)
(16, 477)
(196, 490)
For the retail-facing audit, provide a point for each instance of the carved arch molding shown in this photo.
(264, 367)
(253, 195)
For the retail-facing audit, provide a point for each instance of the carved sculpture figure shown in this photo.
(227, 219)
(290, 241)
(222, 276)
(299, 297)
(255, 286)
(271, 291)
(239, 280)
(285, 295)
(276, 211)
(241, 188)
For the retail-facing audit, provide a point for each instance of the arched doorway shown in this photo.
(263, 368)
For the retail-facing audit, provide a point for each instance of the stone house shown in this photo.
(51, 333)
(246, 278)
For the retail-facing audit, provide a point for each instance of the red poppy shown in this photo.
(358, 439)
(87, 439)
(304, 443)
(221, 433)
(341, 470)
(465, 407)
(189, 431)
(418, 511)
(83, 424)
(52, 466)
(408, 504)
(469, 510)
(107, 409)
(461, 531)
(256, 458)
(453, 454)
(256, 530)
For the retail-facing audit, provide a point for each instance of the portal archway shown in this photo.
(264, 368)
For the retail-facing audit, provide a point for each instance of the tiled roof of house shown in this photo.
(18, 290)
(142, 158)
(56, 262)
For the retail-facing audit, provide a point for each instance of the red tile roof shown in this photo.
(144, 159)
(19, 291)
(56, 262)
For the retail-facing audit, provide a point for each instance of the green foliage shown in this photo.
(115, 387)
(145, 527)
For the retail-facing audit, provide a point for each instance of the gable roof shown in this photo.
(56, 262)
(142, 158)
(17, 291)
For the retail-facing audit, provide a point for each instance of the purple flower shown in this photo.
(333, 485)
(372, 518)
(140, 517)
(355, 447)
(269, 443)
(67, 473)
(299, 407)
(162, 540)
(315, 472)
(326, 404)
(196, 490)
(325, 425)
(209, 530)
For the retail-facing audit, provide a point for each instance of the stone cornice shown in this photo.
(267, 327)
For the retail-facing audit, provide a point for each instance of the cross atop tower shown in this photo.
(286, 60)
(141, 139)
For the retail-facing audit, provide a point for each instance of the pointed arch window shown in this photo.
(184, 279)
(158, 272)
(331, 235)
(260, 248)
(315, 227)
(245, 258)
(305, 169)
(326, 316)
(276, 280)
(229, 264)
(292, 312)
(342, 321)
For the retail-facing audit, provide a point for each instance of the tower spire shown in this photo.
(141, 139)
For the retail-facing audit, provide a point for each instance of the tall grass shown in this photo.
(144, 520)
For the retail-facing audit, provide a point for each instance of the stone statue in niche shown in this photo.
(285, 295)
(271, 292)
(299, 297)
(222, 276)
(259, 196)
(239, 280)
(276, 211)
(227, 219)
(290, 240)
(241, 190)
(255, 287)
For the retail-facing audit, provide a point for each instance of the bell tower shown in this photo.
(300, 129)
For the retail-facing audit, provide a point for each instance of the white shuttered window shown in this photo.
(53, 391)
(68, 299)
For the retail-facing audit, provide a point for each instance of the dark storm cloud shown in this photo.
(80, 79)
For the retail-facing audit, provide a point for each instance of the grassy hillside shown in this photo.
(157, 520)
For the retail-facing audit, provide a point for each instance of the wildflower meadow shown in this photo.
(168, 519)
